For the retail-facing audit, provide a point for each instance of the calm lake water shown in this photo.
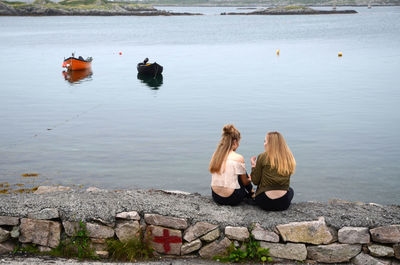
(340, 116)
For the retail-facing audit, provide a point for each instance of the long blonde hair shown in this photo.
(225, 145)
(279, 155)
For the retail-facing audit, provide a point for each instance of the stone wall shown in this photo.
(312, 239)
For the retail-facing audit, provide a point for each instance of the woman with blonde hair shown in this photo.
(230, 184)
(271, 173)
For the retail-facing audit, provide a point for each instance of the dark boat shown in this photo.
(154, 82)
(151, 69)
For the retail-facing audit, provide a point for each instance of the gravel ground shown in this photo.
(60, 261)
(103, 205)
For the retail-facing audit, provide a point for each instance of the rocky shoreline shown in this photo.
(117, 10)
(193, 225)
(292, 11)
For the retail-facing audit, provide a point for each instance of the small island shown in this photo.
(81, 8)
(292, 10)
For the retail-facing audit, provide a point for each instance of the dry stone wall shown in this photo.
(312, 240)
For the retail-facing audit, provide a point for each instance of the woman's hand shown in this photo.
(253, 161)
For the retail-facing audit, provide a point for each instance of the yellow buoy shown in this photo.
(340, 54)
(277, 52)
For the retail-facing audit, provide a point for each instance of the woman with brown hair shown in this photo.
(271, 173)
(230, 184)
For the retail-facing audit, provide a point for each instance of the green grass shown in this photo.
(131, 250)
(252, 252)
(78, 245)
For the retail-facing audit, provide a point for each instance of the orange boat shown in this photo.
(76, 76)
(79, 63)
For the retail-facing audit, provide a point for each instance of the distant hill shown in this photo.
(231, 2)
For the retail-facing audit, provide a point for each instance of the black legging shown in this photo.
(279, 204)
(236, 197)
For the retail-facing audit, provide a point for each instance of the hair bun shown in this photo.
(229, 130)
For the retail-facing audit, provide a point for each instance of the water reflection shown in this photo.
(154, 82)
(78, 75)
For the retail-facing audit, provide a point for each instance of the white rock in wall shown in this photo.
(313, 232)
(364, 259)
(166, 221)
(211, 236)
(381, 251)
(237, 233)
(354, 235)
(215, 248)
(41, 232)
(127, 230)
(386, 234)
(333, 253)
(99, 231)
(191, 247)
(4, 235)
(290, 251)
(9, 220)
(264, 235)
(198, 230)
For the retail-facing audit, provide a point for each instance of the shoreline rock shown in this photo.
(120, 10)
(292, 11)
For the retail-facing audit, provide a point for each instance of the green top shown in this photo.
(267, 178)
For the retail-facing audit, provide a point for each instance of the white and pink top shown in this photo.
(228, 178)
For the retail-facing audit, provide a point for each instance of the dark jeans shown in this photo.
(279, 204)
(236, 197)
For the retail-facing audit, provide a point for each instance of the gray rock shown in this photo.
(381, 251)
(133, 215)
(45, 214)
(15, 232)
(386, 234)
(211, 236)
(99, 231)
(4, 235)
(71, 228)
(198, 230)
(215, 248)
(333, 253)
(364, 259)
(237, 233)
(191, 247)
(396, 249)
(6, 247)
(354, 235)
(167, 221)
(41, 232)
(264, 235)
(102, 254)
(9, 220)
(127, 230)
(50, 189)
(290, 251)
(313, 232)
(164, 240)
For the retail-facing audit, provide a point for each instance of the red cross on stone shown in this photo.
(166, 240)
